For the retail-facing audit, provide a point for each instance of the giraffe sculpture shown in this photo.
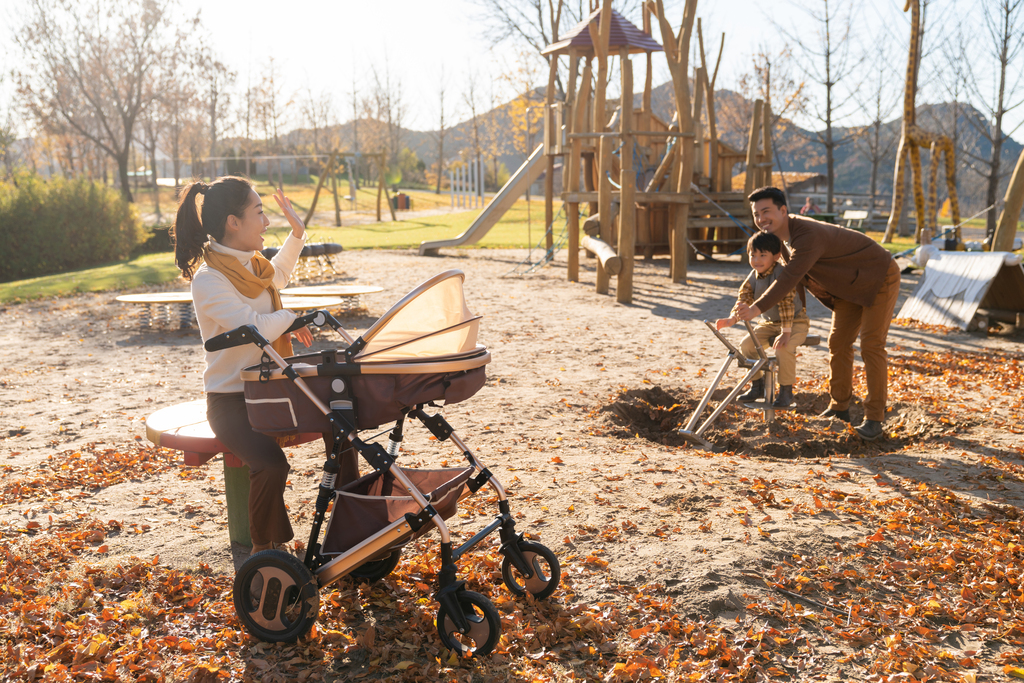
(912, 138)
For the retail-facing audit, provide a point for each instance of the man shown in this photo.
(852, 275)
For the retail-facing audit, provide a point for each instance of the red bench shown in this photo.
(183, 427)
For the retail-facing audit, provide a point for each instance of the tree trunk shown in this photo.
(992, 191)
(122, 174)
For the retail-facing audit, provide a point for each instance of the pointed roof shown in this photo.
(623, 34)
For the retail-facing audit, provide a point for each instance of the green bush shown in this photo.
(53, 226)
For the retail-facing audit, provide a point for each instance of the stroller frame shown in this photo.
(286, 605)
(763, 363)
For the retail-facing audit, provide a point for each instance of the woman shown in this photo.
(221, 225)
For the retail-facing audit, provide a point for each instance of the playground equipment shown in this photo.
(499, 204)
(466, 185)
(670, 182)
(912, 138)
(763, 363)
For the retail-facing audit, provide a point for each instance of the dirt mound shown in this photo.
(658, 413)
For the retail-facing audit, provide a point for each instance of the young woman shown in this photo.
(221, 226)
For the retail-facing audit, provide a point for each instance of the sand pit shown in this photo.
(577, 418)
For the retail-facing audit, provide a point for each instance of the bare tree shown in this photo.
(90, 64)
(471, 99)
(270, 104)
(354, 95)
(217, 80)
(997, 95)
(441, 131)
(536, 23)
(874, 141)
(388, 108)
(317, 110)
(827, 60)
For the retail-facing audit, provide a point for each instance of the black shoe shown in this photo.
(756, 391)
(785, 397)
(843, 415)
(869, 430)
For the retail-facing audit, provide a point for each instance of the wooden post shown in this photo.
(677, 53)
(627, 181)
(579, 124)
(755, 132)
(1006, 228)
(604, 161)
(698, 126)
(549, 175)
(712, 137)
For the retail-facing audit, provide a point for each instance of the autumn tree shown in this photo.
(442, 130)
(876, 142)
(826, 59)
(996, 83)
(91, 64)
(471, 100)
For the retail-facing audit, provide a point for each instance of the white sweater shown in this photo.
(221, 308)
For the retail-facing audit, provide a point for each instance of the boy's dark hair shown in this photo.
(777, 196)
(764, 241)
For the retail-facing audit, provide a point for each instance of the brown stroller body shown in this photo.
(421, 352)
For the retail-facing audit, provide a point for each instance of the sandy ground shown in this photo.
(577, 418)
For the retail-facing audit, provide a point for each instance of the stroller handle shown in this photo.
(246, 334)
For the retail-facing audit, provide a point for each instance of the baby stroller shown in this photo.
(424, 349)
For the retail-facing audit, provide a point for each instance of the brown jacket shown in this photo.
(833, 263)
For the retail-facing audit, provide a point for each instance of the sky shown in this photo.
(321, 45)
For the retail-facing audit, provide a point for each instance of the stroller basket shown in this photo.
(376, 500)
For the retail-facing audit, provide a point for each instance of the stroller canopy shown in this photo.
(431, 321)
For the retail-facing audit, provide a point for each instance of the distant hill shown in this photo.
(795, 147)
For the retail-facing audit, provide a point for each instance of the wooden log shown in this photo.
(573, 244)
(1006, 228)
(607, 258)
(627, 182)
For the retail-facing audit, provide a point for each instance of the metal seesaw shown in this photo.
(761, 363)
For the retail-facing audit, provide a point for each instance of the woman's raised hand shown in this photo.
(298, 228)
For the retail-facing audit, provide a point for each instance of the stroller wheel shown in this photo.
(546, 572)
(484, 625)
(375, 570)
(276, 596)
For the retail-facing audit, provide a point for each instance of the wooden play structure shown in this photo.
(912, 139)
(650, 186)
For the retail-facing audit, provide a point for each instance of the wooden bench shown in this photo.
(183, 427)
(159, 305)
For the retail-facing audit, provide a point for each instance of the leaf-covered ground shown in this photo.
(792, 552)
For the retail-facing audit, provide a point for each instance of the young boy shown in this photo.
(787, 321)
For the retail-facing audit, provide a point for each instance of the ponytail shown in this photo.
(196, 221)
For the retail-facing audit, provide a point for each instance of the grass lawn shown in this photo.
(513, 231)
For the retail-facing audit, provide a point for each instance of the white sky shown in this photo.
(322, 43)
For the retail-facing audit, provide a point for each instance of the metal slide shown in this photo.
(492, 213)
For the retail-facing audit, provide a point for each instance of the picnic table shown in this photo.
(160, 306)
(184, 427)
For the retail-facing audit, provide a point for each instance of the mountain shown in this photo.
(796, 148)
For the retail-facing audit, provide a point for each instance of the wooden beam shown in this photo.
(627, 183)
(1006, 228)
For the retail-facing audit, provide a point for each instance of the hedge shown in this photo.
(56, 225)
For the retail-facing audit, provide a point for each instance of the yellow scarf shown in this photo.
(251, 285)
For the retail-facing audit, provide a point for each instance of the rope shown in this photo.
(549, 254)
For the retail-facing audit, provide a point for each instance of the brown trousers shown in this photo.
(872, 324)
(786, 356)
(268, 466)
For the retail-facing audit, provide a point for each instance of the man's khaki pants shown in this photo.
(872, 324)
(786, 356)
